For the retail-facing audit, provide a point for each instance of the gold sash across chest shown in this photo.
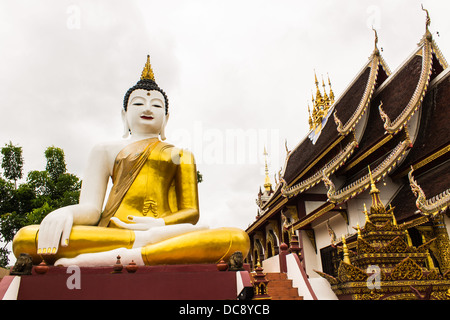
(128, 164)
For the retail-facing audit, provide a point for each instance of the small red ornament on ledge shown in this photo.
(222, 266)
(131, 267)
(42, 268)
(118, 266)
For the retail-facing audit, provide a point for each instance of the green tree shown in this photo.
(56, 163)
(12, 162)
(43, 192)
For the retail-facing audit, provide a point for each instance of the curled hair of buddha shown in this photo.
(145, 84)
(148, 83)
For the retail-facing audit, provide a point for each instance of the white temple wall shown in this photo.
(313, 261)
(310, 258)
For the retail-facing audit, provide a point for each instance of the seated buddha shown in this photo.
(152, 209)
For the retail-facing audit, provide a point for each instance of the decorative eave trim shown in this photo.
(303, 222)
(274, 198)
(439, 153)
(432, 206)
(375, 147)
(365, 100)
(425, 51)
(363, 183)
(263, 218)
(328, 169)
(438, 54)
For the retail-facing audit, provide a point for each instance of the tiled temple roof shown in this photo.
(384, 142)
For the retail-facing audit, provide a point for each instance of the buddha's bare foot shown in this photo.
(106, 258)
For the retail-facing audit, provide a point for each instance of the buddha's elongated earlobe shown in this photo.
(163, 128)
(126, 127)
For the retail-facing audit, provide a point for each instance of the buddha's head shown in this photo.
(145, 106)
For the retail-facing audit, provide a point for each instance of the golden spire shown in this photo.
(331, 90)
(373, 188)
(359, 230)
(345, 249)
(325, 96)
(366, 214)
(310, 121)
(408, 238)
(147, 73)
(394, 220)
(267, 183)
(377, 205)
(319, 99)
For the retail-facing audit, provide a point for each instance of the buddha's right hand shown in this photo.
(55, 229)
(148, 230)
(139, 223)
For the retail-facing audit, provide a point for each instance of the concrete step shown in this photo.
(280, 287)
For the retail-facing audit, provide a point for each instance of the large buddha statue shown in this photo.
(152, 209)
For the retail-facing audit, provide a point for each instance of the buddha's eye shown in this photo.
(138, 104)
(157, 106)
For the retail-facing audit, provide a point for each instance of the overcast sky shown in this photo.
(238, 74)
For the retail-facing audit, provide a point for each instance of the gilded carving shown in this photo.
(350, 273)
(407, 270)
(386, 259)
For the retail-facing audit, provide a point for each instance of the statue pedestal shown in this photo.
(168, 282)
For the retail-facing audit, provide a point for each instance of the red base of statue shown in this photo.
(170, 282)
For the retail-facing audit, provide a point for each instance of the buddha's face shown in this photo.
(145, 113)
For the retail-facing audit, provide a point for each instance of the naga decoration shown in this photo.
(375, 61)
(427, 47)
(432, 206)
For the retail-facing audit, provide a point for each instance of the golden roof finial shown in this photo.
(377, 205)
(147, 73)
(267, 183)
(345, 248)
(319, 99)
(331, 90)
(310, 121)
(375, 50)
(373, 188)
(408, 238)
(366, 214)
(325, 96)
(359, 230)
(394, 220)
(428, 20)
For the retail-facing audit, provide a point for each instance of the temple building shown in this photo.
(366, 192)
